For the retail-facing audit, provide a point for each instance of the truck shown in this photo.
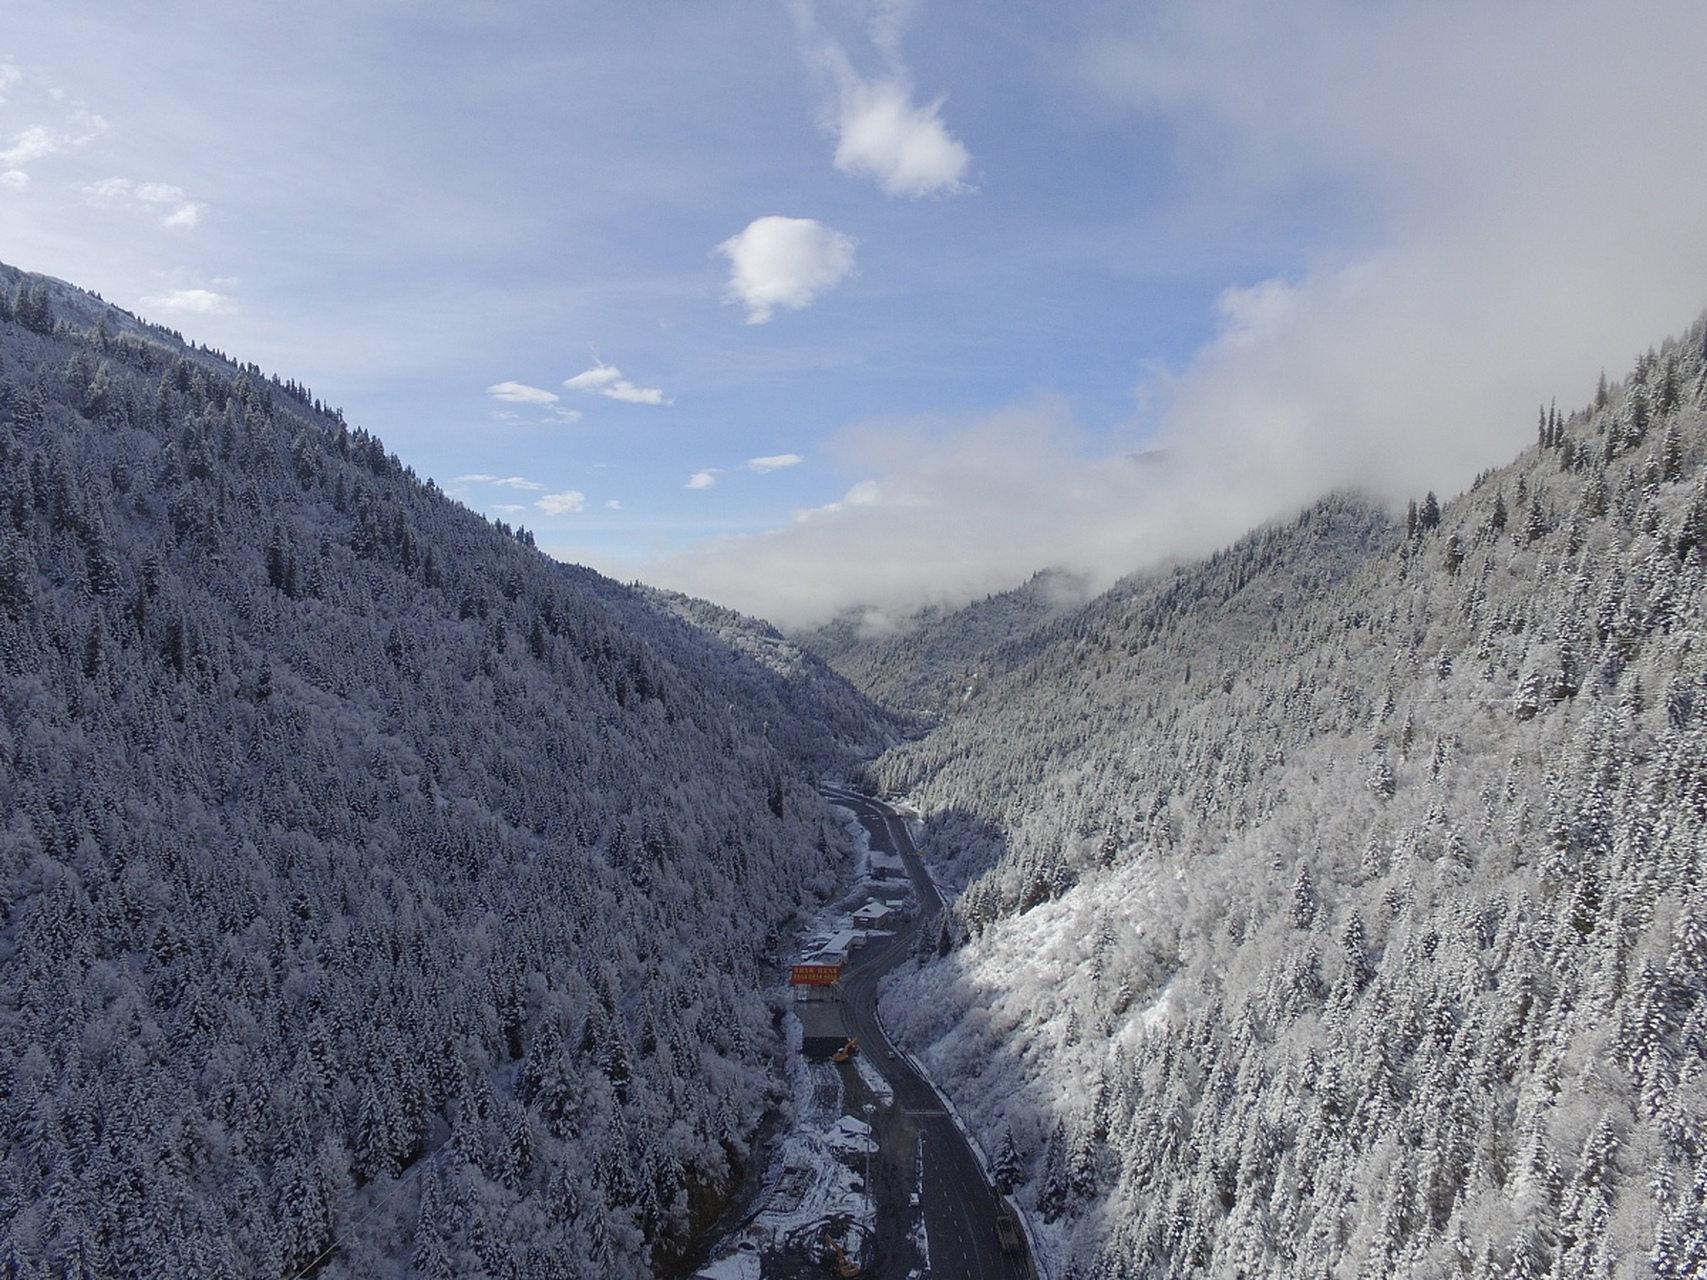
(1007, 1232)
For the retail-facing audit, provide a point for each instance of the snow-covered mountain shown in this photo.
(378, 897)
(932, 663)
(1336, 906)
(376, 894)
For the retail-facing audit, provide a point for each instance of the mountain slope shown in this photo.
(1335, 906)
(811, 711)
(935, 661)
(375, 894)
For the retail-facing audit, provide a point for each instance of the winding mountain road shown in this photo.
(960, 1207)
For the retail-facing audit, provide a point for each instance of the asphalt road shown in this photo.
(959, 1206)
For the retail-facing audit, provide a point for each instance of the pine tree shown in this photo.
(1005, 1170)
(1428, 515)
(1454, 554)
(1304, 901)
(1534, 524)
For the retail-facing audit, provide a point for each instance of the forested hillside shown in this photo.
(934, 662)
(1335, 906)
(377, 896)
(803, 705)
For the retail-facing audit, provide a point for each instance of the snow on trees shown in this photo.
(1407, 970)
(305, 895)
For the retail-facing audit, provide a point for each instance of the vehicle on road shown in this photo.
(1007, 1233)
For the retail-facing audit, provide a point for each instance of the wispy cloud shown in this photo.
(520, 393)
(946, 512)
(1408, 366)
(503, 482)
(160, 198)
(191, 301)
(72, 126)
(702, 479)
(607, 380)
(881, 134)
(785, 262)
(557, 504)
(775, 462)
(30, 144)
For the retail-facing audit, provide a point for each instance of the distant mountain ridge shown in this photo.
(1336, 905)
(930, 663)
(377, 896)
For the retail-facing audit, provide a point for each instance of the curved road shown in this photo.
(959, 1206)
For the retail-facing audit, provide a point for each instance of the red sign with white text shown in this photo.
(815, 975)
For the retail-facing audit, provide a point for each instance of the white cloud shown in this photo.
(785, 262)
(908, 150)
(520, 393)
(701, 480)
(607, 380)
(1500, 278)
(612, 504)
(627, 391)
(93, 125)
(947, 512)
(880, 134)
(31, 144)
(159, 193)
(16, 179)
(594, 379)
(194, 301)
(148, 196)
(1496, 283)
(776, 462)
(557, 504)
(503, 482)
(885, 21)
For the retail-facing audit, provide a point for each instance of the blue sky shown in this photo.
(814, 304)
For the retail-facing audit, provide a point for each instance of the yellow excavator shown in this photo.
(845, 1266)
(842, 1055)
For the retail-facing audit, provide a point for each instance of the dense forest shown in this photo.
(377, 896)
(1334, 906)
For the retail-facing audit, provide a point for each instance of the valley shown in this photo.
(380, 897)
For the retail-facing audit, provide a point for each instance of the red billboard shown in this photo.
(815, 975)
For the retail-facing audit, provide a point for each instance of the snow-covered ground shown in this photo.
(880, 1088)
(741, 1263)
